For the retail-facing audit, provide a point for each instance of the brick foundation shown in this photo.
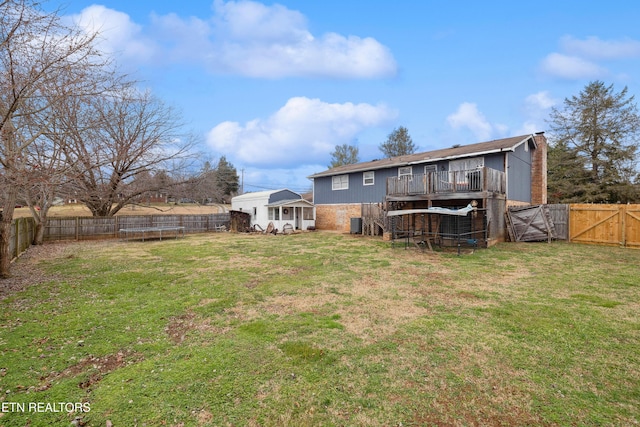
(337, 217)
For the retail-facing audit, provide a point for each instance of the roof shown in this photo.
(261, 194)
(289, 203)
(494, 146)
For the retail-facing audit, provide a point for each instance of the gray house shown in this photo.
(492, 175)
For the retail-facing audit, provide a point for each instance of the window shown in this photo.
(466, 164)
(430, 168)
(340, 182)
(368, 178)
(405, 171)
(307, 213)
(274, 214)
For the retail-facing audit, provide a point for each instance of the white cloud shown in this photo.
(303, 131)
(540, 101)
(595, 48)
(117, 33)
(528, 127)
(256, 40)
(469, 117)
(249, 20)
(536, 108)
(244, 38)
(579, 58)
(571, 67)
(332, 56)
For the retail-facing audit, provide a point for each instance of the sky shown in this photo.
(275, 86)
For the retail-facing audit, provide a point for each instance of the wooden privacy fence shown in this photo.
(84, 228)
(22, 234)
(617, 225)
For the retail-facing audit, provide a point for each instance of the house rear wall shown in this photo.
(357, 192)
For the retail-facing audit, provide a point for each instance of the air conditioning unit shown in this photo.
(356, 226)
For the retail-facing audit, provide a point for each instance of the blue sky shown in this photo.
(275, 86)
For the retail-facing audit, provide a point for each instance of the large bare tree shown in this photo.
(127, 135)
(36, 50)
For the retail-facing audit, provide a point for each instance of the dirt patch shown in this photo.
(97, 367)
(179, 326)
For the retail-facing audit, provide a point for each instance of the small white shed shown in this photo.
(280, 207)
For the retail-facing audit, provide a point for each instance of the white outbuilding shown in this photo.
(280, 207)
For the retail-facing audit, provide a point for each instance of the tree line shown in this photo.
(73, 127)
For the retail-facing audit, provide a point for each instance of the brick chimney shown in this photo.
(539, 170)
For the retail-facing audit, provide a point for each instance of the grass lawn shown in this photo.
(323, 329)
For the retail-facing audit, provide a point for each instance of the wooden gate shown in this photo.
(617, 225)
(632, 226)
(530, 223)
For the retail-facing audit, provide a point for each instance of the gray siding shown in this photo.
(357, 192)
(495, 161)
(519, 174)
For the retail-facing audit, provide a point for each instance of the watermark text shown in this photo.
(34, 407)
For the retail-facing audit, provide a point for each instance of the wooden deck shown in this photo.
(447, 185)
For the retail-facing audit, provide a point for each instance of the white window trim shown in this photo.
(409, 168)
(469, 163)
(274, 214)
(371, 178)
(342, 185)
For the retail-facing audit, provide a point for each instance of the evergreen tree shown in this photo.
(599, 130)
(568, 180)
(344, 155)
(227, 177)
(398, 143)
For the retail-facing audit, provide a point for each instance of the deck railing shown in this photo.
(467, 181)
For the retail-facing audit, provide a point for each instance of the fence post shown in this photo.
(623, 225)
(16, 245)
(77, 228)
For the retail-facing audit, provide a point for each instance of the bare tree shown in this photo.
(129, 134)
(47, 170)
(35, 51)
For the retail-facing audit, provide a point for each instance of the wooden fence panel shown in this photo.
(632, 226)
(22, 234)
(560, 216)
(617, 225)
(81, 228)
